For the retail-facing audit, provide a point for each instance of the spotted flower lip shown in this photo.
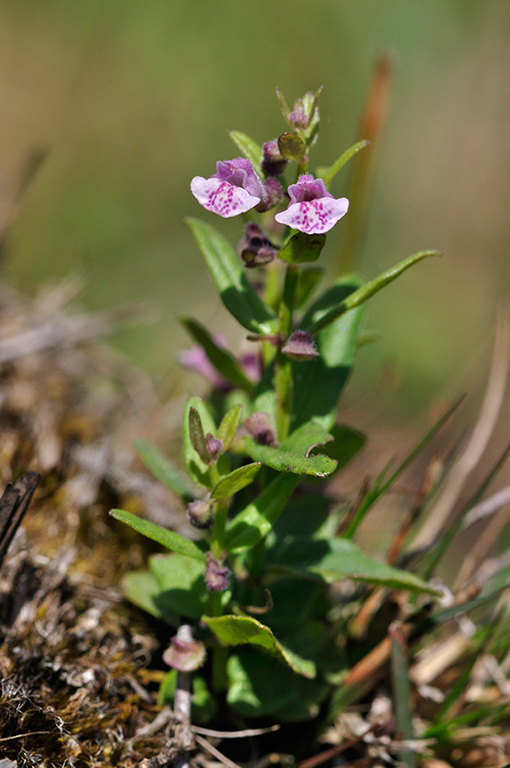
(312, 209)
(235, 188)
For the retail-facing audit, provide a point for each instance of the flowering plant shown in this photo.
(250, 596)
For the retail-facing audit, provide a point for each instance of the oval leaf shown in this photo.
(243, 630)
(229, 425)
(235, 481)
(343, 447)
(255, 521)
(169, 539)
(197, 468)
(291, 146)
(336, 559)
(236, 292)
(196, 434)
(288, 461)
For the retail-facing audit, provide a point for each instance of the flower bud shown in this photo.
(200, 513)
(216, 575)
(272, 194)
(300, 346)
(273, 163)
(184, 655)
(260, 427)
(256, 249)
(214, 446)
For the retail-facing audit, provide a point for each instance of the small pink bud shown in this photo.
(200, 513)
(260, 427)
(217, 576)
(300, 346)
(256, 249)
(213, 446)
(273, 163)
(184, 655)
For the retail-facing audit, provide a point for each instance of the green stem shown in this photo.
(283, 369)
(218, 537)
(219, 654)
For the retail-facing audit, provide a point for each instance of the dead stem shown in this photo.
(480, 437)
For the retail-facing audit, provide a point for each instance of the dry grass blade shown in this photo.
(481, 434)
(216, 753)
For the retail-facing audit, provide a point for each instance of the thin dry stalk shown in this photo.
(480, 437)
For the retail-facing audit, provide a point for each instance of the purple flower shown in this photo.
(196, 360)
(235, 188)
(312, 209)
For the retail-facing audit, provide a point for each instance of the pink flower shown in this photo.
(235, 188)
(312, 209)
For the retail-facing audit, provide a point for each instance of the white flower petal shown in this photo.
(221, 197)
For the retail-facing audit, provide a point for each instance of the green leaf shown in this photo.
(141, 588)
(168, 539)
(288, 461)
(222, 359)
(302, 248)
(284, 107)
(318, 383)
(291, 146)
(327, 174)
(196, 435)
(236, 292)
(255, 521)
(306, 514)
(336, 559)
(308, 279)
(243, 630)
(229, 425)
(181, 584)
(164, 470)
(249, 148)
(259, 686)
(363, 293)
(235, 481)
(196, 466)
(346, 443)
(305, 437)
(383, 483)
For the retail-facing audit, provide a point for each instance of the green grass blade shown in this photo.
(382, 485)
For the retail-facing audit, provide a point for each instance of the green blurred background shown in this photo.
(132, 99)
